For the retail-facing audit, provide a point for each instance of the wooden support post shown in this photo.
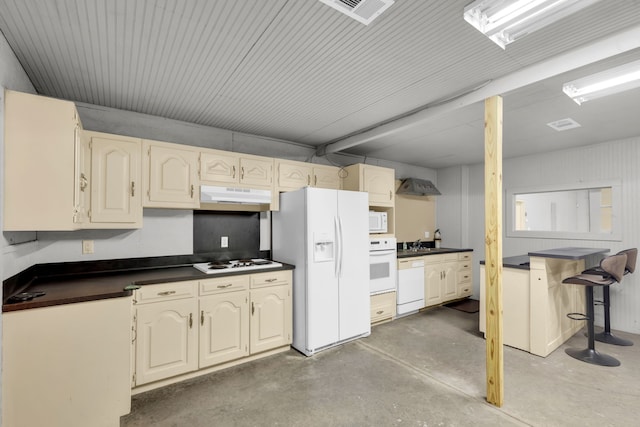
(493, 247)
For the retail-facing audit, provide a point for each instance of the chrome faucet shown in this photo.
(415, 245)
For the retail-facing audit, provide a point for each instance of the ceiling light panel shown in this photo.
(614, 80)
(363, 11)
(505, 21)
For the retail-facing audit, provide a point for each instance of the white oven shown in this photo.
(382, 265)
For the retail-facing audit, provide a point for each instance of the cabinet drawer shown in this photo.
(464, 289)
(383, 306)
(224, 284)
(464, 276)
(464, 265)
(464, 256)
(165, 292)
(433, 259)
(269, 279)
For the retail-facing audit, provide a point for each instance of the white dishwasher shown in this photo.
(410, 295)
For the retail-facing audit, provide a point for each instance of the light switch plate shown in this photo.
(426, 234)
(224, 241)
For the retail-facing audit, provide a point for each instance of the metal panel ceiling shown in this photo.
(299, 70)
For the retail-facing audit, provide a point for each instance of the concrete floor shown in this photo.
(426, 369)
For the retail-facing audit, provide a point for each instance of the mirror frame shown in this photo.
(616, 212)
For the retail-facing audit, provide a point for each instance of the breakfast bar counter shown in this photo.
(535, 301)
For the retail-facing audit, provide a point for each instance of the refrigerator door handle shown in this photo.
(340, 242)
(338, 254)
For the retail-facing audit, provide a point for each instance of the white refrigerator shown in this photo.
(325, 234)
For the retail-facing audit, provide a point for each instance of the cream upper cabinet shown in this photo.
(219, 167)
(170, 175)
(115, 181)
(43, 164)
(292, 175)
(223, 167)
(326, 177)
(379, 182)
(256, 171)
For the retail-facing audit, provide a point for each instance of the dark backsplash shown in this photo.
(242, 229)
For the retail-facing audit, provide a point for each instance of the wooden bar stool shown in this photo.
(606, 336)
(614, 266)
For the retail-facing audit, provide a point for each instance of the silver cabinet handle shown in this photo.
(270, 280)
(192, 191)
(190, 320)
(253, 308)
(379, 311)
(133, 188)
(234, 172)
(165, 293)
(202, 317)
(308, 179)
(225, 286)
(83, 182)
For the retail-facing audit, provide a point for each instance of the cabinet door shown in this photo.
(449, 281)
(224, 327)
(115, 180)
(219, 167)
(293, 175)
(166, 342)
(41, 164)
(172, 176)
(432, 284)
(271, 318)
(326, 177)
(379, 183)
(255, 171)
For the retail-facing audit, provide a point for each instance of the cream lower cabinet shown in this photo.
(465, 271)
(114, 181)
(166, 339)
(383, 307)
(271, 311)
(224, 320)
(67, 365)
(170, 175)
(182, 327)
(440, 278)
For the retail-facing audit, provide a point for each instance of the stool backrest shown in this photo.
(632, 255)
(614, 265)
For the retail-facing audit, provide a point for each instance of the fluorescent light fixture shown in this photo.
(505, 21)
(605, 83)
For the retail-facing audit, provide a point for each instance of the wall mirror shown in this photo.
(590, 211)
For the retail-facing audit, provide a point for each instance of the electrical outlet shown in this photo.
(224, 242)
(87, 247)
(426, 234)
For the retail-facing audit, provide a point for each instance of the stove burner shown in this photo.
(214, 266)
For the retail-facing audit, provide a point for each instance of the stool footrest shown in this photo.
(577, 316)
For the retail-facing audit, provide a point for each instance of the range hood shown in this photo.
(418, 187)
(245, 196)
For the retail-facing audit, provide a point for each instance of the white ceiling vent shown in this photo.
(363, 11)
(564, 124)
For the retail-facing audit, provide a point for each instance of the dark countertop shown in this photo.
(85, 286)
(569, 253)
(520, 262)
(429, 251)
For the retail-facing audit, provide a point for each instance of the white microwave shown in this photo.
(377, 222)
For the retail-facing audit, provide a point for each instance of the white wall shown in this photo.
(614, 160)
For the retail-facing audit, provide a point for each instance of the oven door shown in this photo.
(382, 271)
